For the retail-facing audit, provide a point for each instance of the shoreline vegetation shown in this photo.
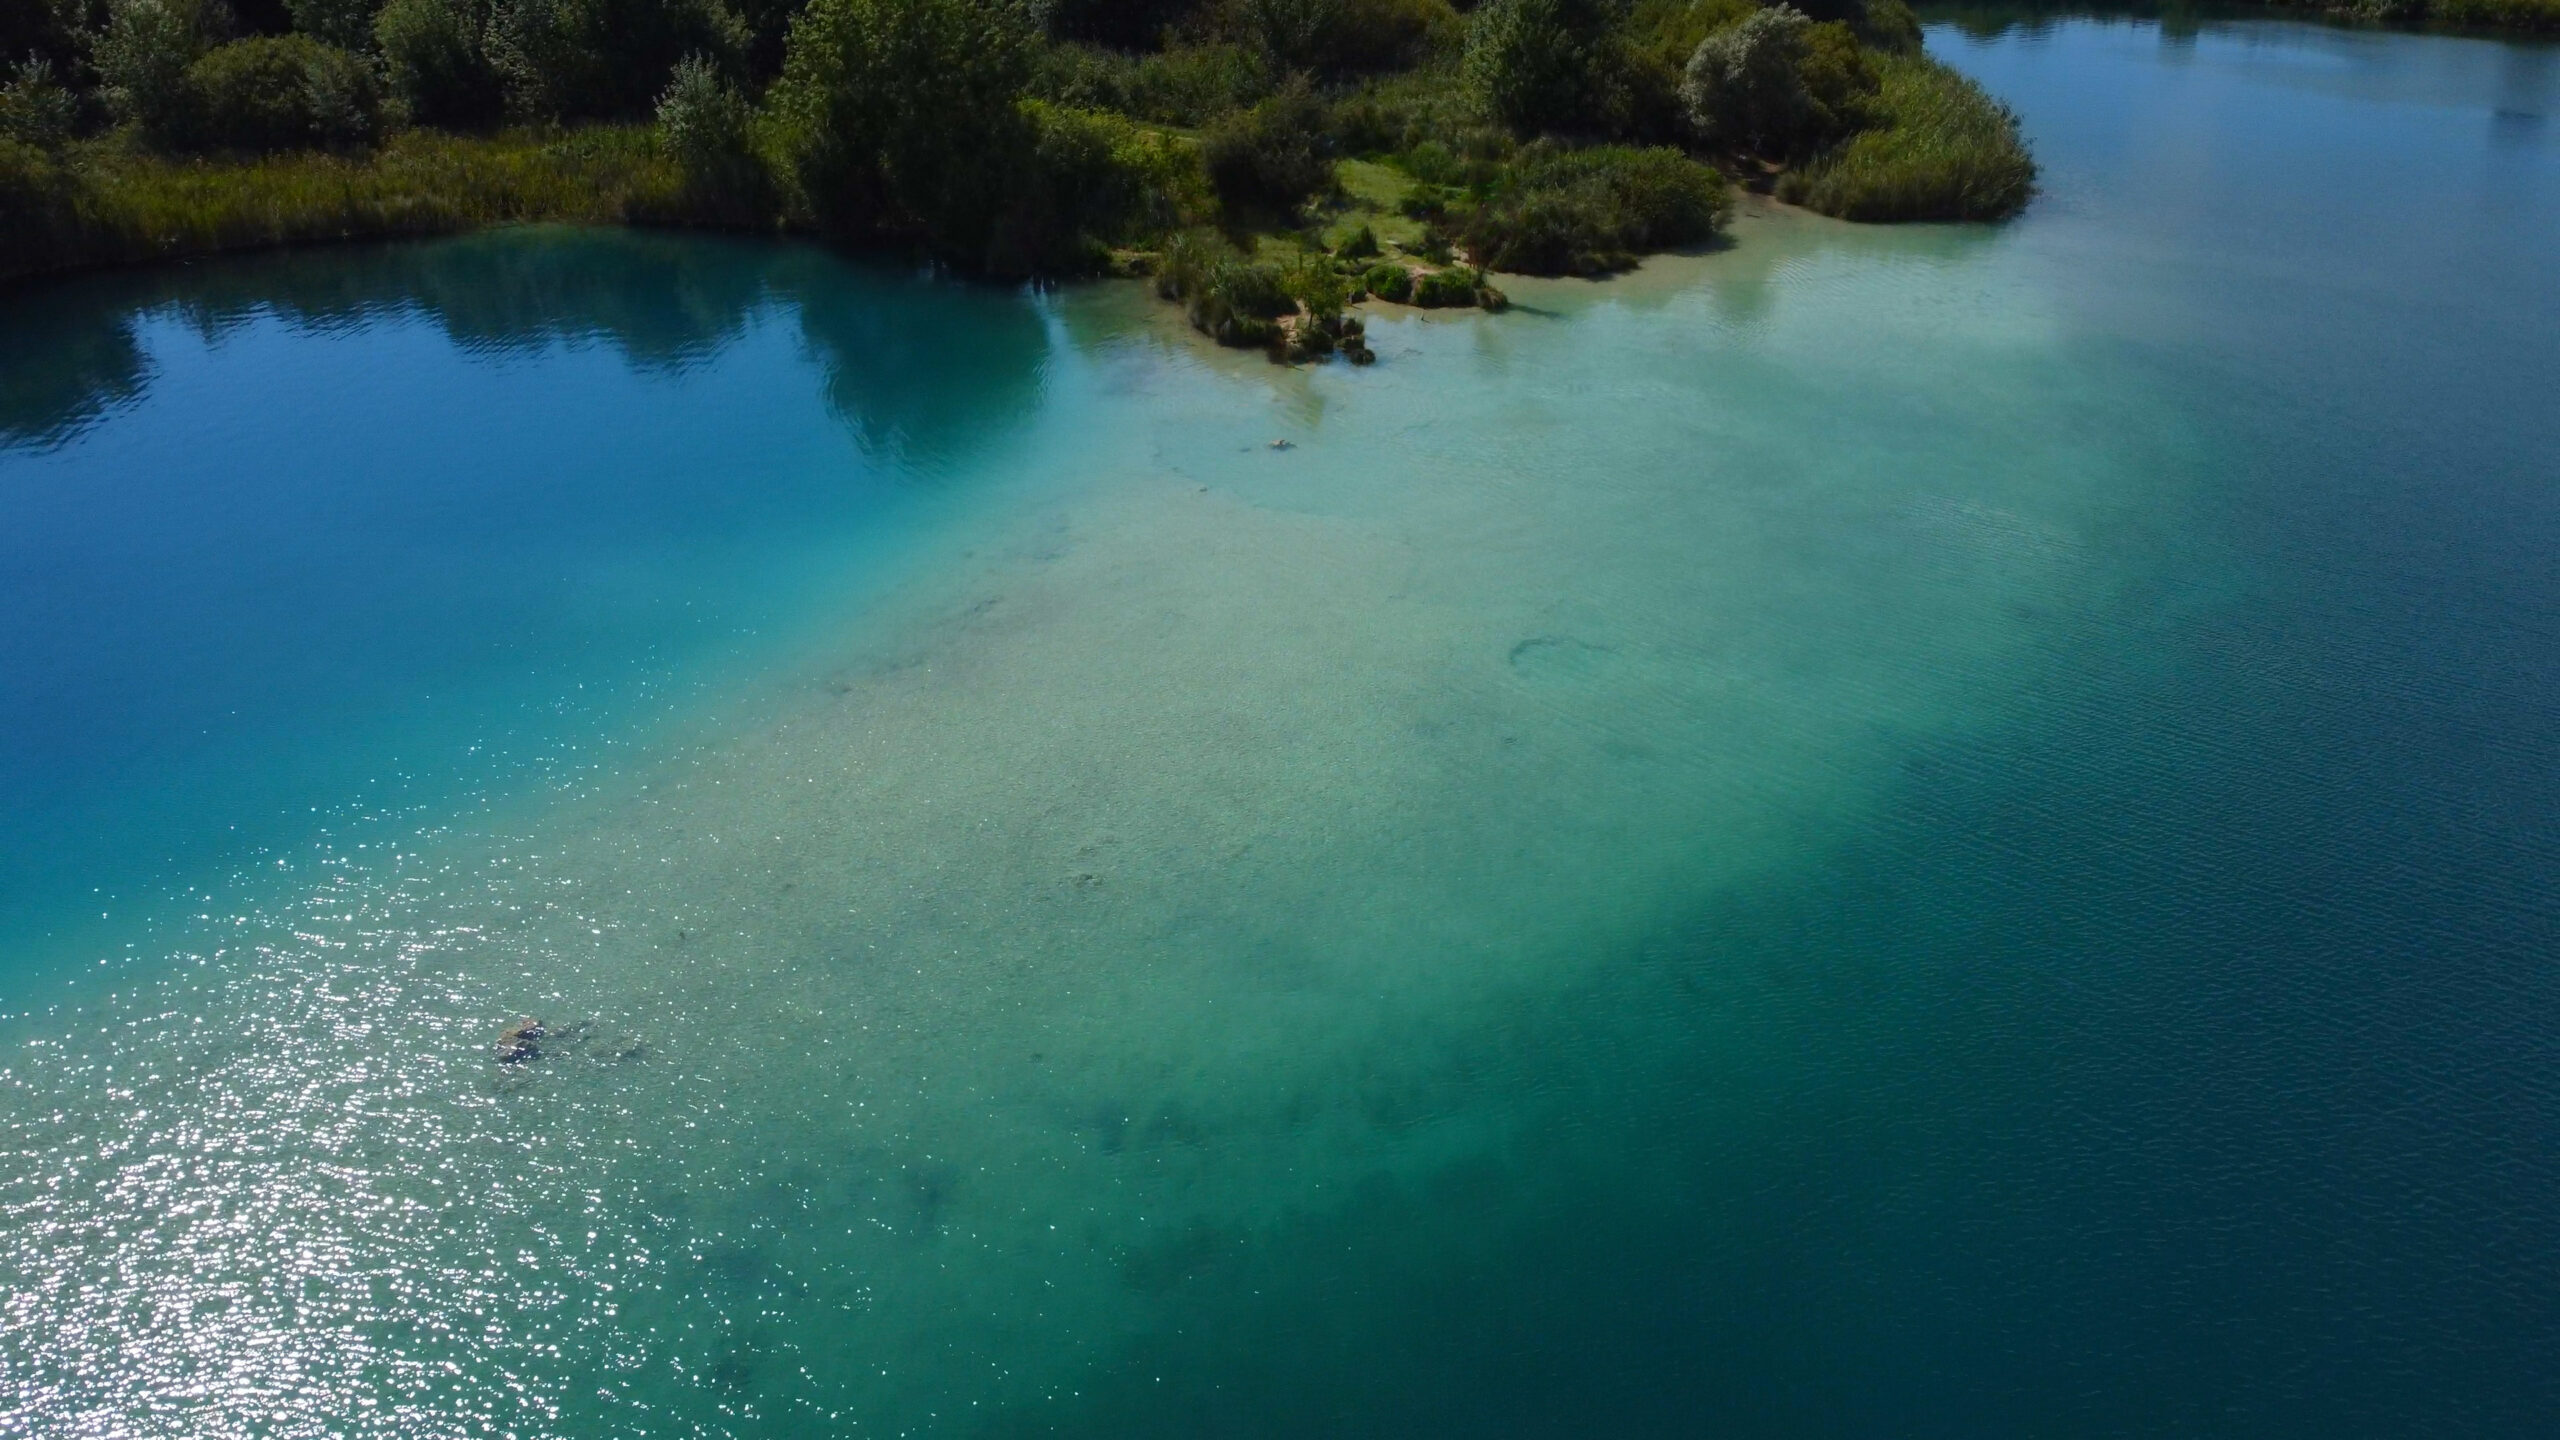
(1269, 163)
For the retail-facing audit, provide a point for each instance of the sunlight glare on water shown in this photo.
(1937, 831)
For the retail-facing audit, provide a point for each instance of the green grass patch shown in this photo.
(1944, 151)
(106, 202)
(1374, 196)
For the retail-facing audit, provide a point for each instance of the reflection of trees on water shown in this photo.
(64, 362)
(915, 366)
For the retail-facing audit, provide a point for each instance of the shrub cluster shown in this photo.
(1589, 211)
(435, 58)
(37, 109)
(601, 59)
(898, 118)
(1183, 85)
(708, 129)
(1271, 158)
(1227, 297)
(1552, 66)
(279, 92)
(1037, 136)
(1946, 152)
(1296, 309)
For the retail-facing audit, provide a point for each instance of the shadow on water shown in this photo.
(268, 523)
(915, 366)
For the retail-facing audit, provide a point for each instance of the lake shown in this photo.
(1923, 831)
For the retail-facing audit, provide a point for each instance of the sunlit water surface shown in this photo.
(1935, 831)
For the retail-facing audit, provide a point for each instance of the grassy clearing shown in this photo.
(106, 202)
(1946, 151)
(1374, 195)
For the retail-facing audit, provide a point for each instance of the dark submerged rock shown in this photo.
(521, 1042)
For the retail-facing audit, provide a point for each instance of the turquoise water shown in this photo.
(1918, 831)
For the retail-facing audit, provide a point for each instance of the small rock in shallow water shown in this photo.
(1284, 445)
(520, 1042)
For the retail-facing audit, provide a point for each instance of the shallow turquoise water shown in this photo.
(1925, 831)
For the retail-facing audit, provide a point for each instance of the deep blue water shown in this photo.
(300, 542)
(1922, 832)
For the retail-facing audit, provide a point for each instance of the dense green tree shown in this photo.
(35, 107)
(767, 27)
(435, 57)
(1338, 37)
(53, 31)
(903, 116)
(280, 92)
(142, 55)
(1744, 85)
(1125, 24)
(1548, 66)
(1839, 79)
(1268, 159)
(603, 59)
(347, 24)
(708, 127)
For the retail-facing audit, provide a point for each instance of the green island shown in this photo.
(1269, 162)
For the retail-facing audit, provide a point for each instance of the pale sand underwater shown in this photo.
(1205, 844)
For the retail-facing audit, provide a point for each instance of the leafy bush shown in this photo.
(1840, 81)
(1944, 150)
(1744, 86)
(1671, 29)
(765, 27)
(1389, 281)
(54, 32)
(1888, 25)
(1590, 211)
(35, 109)
(1548, 66)
(347, 24)
(36, 215)
(1227, 297)
(1388, 115)
(280, 92)
(1095, 180)
(603, 59)
(435, 61)
(1270, 159)
(1454, 288)
(1185, 85)
(899, 117)
(142, 54)
(708, 128)
(1778, 84)
(345, 97)
(1316, 285)
(1340, 37)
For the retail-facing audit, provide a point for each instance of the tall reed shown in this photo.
(1946, 151)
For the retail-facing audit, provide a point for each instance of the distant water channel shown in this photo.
(1934, 831)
